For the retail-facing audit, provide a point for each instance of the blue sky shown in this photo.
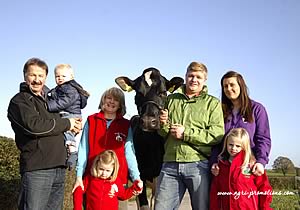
(106, 39)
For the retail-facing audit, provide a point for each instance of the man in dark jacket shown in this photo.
(39, 137)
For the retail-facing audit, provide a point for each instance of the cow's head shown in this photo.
(151, 94)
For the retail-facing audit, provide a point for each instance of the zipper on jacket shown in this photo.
(254, 201)
(229, 183)
(106, 131)
(102, 193)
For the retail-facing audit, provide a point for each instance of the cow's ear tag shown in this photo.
(171, 89)
(128, 88)
(123, 85)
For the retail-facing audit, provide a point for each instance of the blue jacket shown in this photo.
(69, 97)
(259, 132)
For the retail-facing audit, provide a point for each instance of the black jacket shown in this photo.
(38, 133)
(69, 97)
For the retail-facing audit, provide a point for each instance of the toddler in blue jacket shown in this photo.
(67, 98)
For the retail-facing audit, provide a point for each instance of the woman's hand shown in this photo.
(78, 182)
(258, 169)
(215, 169)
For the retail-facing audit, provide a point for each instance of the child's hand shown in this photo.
(138, 187)
(258, 169)
(113, 190)
(215, 169)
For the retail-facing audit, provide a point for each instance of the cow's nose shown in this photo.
(149, 123)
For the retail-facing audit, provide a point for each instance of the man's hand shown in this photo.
(163, 117)
(76, 125)
(177, 131)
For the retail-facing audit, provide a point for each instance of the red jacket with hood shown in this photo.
(235, 188)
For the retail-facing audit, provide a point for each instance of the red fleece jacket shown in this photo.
(97, 194)
(102, 138)
(235, 188)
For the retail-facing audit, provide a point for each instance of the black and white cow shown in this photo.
(151, 94)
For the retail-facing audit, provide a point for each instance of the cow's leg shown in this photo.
(153, 190)
(123, 205)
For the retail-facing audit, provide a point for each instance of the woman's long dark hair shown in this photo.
(245, 102)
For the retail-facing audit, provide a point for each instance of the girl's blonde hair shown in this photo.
(118, 95)
(242, 135)
(106, 157)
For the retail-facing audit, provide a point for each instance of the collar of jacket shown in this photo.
(100, 115)
(72, 82)
(237, 160)
(181, 90)
(25, 88)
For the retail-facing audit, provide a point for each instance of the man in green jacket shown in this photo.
(191, 124)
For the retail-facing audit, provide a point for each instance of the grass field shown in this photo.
(286, 202)
(278, 174)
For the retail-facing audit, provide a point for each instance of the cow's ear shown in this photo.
(174, 83)
(124, 83)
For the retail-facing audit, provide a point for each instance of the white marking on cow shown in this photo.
(147, 77)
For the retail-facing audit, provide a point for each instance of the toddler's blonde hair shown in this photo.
(106, 157)
(65, 66)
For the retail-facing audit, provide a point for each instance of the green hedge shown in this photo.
(10, 177)
(283, 182)
(9, 173)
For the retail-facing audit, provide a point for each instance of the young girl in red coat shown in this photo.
(235, 187)
(102, 187)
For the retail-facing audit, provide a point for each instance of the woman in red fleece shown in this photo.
(108, 129)
(102, 187)
(236, 187)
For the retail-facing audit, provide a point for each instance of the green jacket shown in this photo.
(203, 120)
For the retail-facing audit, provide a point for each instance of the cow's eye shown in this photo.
(162, 94)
